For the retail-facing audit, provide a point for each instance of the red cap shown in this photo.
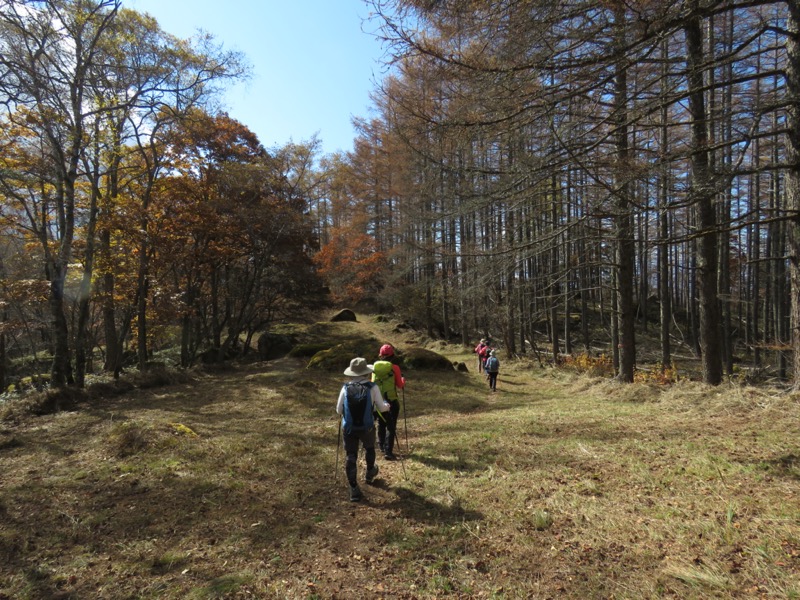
(386, 350)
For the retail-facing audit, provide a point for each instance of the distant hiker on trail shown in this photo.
(482, 350)
(389, 379)
(358, 398)
(492, 367)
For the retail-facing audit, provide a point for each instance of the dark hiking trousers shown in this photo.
(351, 445)
(387, 432)
(492, 380)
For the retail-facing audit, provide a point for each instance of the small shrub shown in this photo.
(38, 382)
(595, 366)
(659, 375)
(541, 520)
(169, 561)
(56, 400)
(129, 438)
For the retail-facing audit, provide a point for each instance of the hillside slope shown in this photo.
(557, 486)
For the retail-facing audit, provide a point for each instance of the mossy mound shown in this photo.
(308, 350)
(337, 358)
(37, 382)
(47, 402)
(425, 360)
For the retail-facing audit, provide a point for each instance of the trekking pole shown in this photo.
(403, 464)
(402, 456)
(338, 441)
(405, 419)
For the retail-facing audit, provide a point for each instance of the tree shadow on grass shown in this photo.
(410, 505)
(464, 395)
(786, 466)
(414, 506)
(457, 463)
(502, 382)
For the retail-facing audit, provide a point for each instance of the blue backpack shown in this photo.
(357, 415)
(492, 364)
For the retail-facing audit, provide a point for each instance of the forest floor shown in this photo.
(556, 486)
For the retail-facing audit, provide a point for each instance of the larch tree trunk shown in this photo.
(703, 195)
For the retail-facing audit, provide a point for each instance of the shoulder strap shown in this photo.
(361, 403)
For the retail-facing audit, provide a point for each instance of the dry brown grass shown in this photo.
(557, 486)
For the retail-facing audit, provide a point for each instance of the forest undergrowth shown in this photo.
(559, 485)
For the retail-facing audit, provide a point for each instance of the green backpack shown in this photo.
(383, 375)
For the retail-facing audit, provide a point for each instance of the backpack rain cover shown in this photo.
(383, 375)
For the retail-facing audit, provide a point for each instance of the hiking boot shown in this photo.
(355, 493)
(371, 474)
(389, 456)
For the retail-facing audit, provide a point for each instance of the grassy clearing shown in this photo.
(556, 486)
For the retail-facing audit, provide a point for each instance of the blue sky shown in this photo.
(313, 66)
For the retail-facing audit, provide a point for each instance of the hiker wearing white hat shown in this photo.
(357, 400)
(492, 368)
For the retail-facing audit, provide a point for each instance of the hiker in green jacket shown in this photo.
(389, 379)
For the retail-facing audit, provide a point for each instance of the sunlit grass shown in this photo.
(558, 485)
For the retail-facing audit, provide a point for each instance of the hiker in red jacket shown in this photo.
(482, 350)
(389, 379)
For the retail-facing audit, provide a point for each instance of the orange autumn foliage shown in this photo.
(351, 264)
